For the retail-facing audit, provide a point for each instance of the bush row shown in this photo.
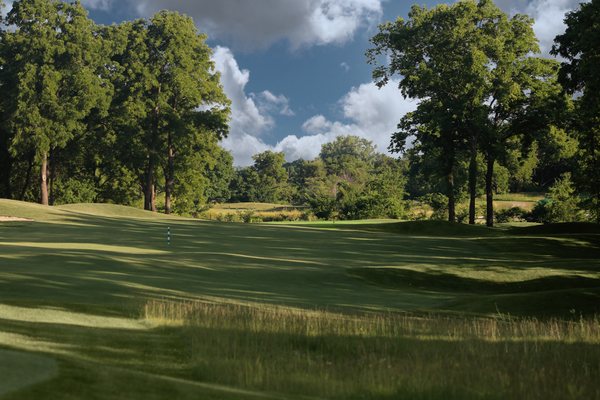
(250, 216)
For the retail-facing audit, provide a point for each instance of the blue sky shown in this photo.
(295, 70)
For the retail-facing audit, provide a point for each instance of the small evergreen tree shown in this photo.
(563, 204)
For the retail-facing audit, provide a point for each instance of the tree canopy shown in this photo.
(471, 67)
(580, 48)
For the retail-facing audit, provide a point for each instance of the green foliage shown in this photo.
(438, 203)
(219, 176)
(322, 196)
(349, 181)
(299, 174)
(513, 214)
(266, 181)
(563, 205)
(348, 157)
(501, 180)
(560, 205)
(271, 178)
(471, 67)
(168, 109)
(115, 107)
(521, 165)
(580, 48)
(540, 211)
(52, 78)
(243, 185)
(75, 190)
(385, 190)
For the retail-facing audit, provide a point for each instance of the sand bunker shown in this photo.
(4, 218)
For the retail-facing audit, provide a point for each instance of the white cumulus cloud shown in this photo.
(260, 23)
(549, 16)
(98, 4)
(270, 103)
(251, 114)
(549, 19)
(366, 111)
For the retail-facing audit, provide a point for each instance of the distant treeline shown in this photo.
(119, 113)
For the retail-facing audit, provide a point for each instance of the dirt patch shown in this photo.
(4, 218)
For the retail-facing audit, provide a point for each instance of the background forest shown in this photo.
(133, 114)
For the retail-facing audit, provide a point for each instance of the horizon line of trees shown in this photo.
(348, 180)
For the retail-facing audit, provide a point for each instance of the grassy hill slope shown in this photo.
(76, 280)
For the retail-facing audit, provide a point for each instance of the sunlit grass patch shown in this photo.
(63, 317)
(520, 197)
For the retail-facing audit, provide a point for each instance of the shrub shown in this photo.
(74, 190)
(539, 212)
(248, 217)
(563, 206)
(514, 214)
(560, 205)
(438, 203)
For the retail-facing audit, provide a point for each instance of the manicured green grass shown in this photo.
(78, 281)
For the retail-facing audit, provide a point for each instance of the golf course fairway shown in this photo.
(97, 303)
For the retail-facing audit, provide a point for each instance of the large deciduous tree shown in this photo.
(185, 80)
(439, 55)
(168, 100)
(471, 67)
(580, 47)
(271, 184)
(53, 78)
(523, 96)
(169, 96)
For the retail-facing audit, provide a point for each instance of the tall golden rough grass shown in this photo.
(277, 319)
(384, 355)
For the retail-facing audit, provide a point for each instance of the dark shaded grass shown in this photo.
(562, 228)
(436, 280)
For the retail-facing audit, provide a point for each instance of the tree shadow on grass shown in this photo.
(112, 265)
(560, 296)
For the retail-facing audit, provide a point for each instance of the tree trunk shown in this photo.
(596, 176)
(149, 190)
(52, 176)
(473, 182)
(169, 174)
(451, 197)
(6, 166)
(44, 180)
(153, 208)
(489, 191)
(27, 177)
(450, 184)
(598, 207)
